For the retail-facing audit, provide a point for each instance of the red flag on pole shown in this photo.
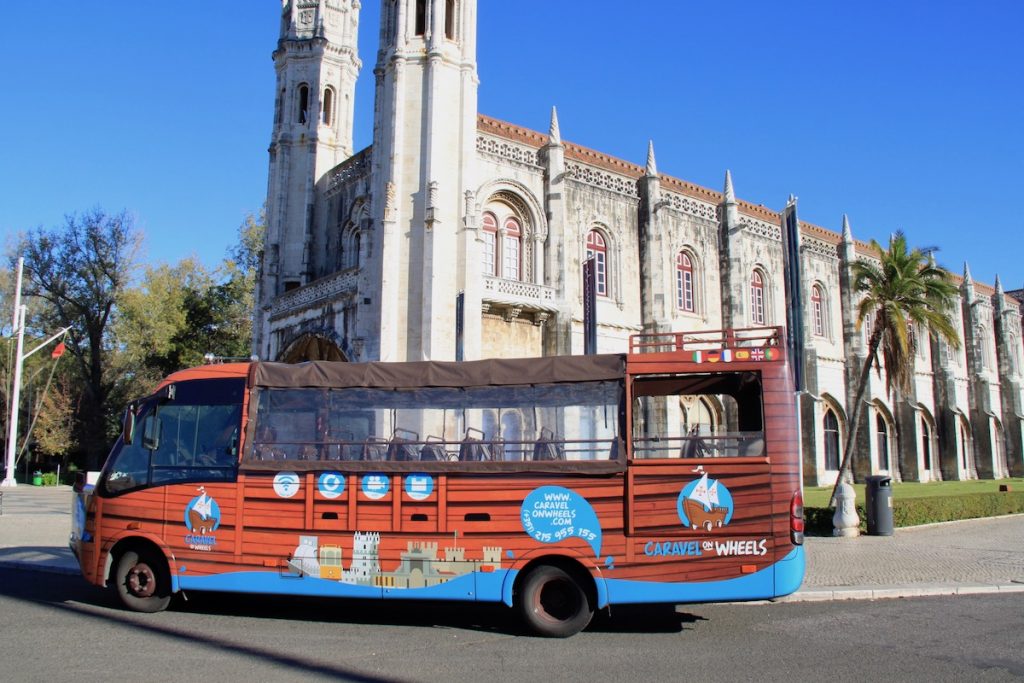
(58, 351)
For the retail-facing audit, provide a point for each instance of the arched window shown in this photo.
(449, 19)
(830, 426)
(303, 103)
(757, 298)
(328, 112)
(965, 445)
(684, 282)
(818, 311)
(882, 436)
(926, 444)
(597, 249)
(421, 17)
(490, 249)
(350, 248)
(511, 250)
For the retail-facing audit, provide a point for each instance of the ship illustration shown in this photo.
(200, 515)
(702, 507)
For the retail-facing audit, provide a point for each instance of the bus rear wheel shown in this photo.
(552, 603)
(142, 582)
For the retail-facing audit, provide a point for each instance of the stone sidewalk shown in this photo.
(971, 556)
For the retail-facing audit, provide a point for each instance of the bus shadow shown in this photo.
(65, 590)
(482, 617)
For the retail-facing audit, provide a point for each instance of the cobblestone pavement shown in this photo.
(971, 556)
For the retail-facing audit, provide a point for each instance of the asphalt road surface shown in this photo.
(58, 628)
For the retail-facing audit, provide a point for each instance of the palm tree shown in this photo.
(905, 289)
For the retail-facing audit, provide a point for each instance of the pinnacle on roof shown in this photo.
(999, 285)
(652, 167)
(847, 233)
(730, 195)
(556, 136)
(967, 274)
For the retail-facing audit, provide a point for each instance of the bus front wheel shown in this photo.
(142, 582)
(552, 603)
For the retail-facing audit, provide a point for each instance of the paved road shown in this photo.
(57, 628)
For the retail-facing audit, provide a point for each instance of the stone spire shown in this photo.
(730, 195)
(652, 167)
(847, 233)
(999, 286)
(967, 275)
(553, 132)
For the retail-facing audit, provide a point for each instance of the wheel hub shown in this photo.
(141, 581)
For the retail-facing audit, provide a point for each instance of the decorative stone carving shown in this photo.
(603, 179)
(507, 150)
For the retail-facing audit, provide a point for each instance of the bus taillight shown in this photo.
(796, 518)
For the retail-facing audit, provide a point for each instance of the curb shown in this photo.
(907, 591)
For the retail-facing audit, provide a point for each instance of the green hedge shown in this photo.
(915, 511)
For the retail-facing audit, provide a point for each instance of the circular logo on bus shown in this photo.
(704, 504)
(375, 486)
(286, 484)
(331, 484)
(419, 486)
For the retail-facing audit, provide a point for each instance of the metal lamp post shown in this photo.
(20, 314)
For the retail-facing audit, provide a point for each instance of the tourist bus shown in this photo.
(557, 486)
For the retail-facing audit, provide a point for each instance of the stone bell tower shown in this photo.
(317, 63)
(423, 180)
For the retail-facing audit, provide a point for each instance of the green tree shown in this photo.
(80, 270)
(905, 289)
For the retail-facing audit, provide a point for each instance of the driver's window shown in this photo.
(130, 468)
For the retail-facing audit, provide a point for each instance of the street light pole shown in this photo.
(20, 315)
(12, 423)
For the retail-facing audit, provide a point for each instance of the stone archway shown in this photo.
(312, 347)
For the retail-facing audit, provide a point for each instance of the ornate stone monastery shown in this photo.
(456, 234)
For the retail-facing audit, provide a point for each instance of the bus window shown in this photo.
(570, 422)
(191, 437)
(698, 416)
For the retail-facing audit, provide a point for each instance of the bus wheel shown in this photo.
(552, 604)
(141, 581)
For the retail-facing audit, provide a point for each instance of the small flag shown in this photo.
(727, 356)
(770, 354)
(757, 354)
(742, 355)
(697, 358)
(58, 350)
(714, 356)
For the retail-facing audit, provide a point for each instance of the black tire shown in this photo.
(142, 582)
(552, 603)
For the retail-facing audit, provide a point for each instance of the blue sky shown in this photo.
(904, 115)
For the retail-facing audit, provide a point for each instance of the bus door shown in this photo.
(699, 477)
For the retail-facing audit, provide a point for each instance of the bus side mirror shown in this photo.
(128, 426)
(151, 433)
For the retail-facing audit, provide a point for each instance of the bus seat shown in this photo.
(375, 449)
(753, 446)
(433, 449)
(548, 447)
(472, 448)
(401, 448)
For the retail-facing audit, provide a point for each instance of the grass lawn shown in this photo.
(817, 496)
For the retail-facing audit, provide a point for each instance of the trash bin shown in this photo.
(37, 478)
(878, 505)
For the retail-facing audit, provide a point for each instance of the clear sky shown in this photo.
(903, 115)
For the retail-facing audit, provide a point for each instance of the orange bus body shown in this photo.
(612, 505)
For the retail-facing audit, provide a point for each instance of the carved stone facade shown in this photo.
(375, 255)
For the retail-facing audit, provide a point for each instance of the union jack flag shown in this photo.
(757, 354)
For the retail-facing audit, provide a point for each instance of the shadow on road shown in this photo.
(73, 594)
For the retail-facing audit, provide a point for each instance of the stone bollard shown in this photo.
(845, 521)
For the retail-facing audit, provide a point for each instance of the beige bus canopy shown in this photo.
(410, 375)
